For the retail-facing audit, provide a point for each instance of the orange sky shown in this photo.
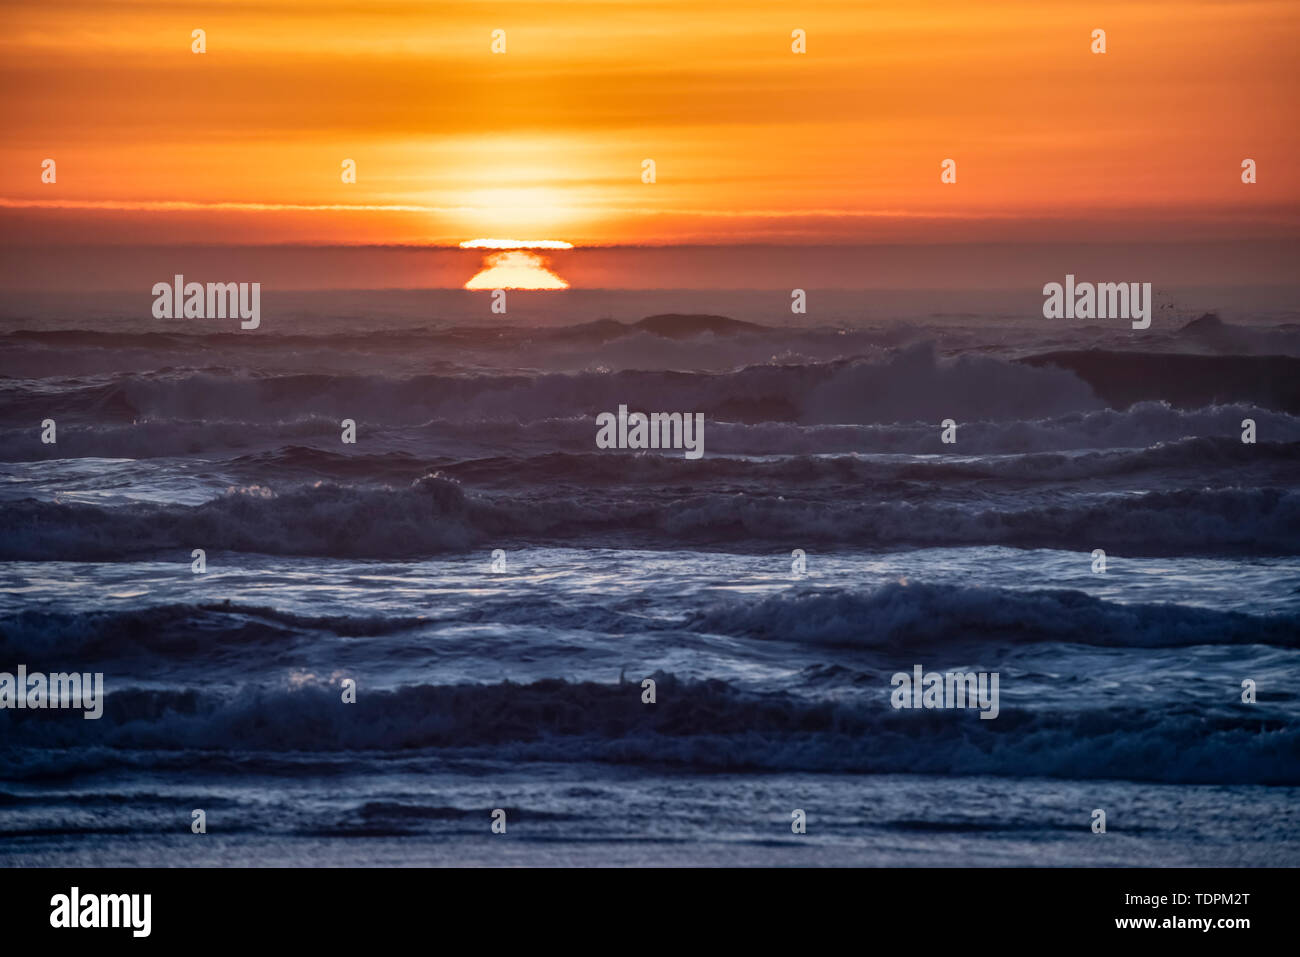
(752, 142)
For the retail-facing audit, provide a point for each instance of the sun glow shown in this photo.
(515, 244)
(516, 268)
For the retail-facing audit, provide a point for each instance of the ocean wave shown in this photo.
(1208, 332)
(892, 618)
(176, 630)
(667, 325)
(437, 442)
(709, 725)
(329, 520)
(1211, 333)
(435, 515)
(198, 630)
(909, 384)
(898, 616)
(1184, 381)
(1200, 455)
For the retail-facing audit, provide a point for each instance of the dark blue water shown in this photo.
(518, 684)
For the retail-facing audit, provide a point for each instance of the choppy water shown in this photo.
(521, 688)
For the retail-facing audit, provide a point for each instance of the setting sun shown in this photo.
(515, 244)
(515, 268)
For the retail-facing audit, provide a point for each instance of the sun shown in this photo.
(514, 266)
(515, 244)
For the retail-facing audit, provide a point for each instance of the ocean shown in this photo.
(493, 591)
